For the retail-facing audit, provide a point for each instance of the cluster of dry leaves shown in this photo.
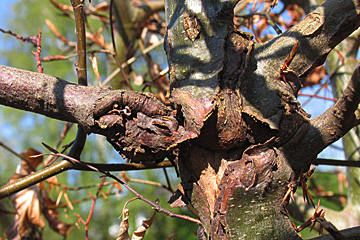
(33, 204)
(139, 233)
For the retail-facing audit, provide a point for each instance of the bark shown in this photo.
(235, 131)
(255, 139)
(123, 117)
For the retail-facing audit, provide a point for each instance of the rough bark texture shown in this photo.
(235, 131)
(137, 124)
(255, 139)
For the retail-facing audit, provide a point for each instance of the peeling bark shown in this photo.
(232, 162)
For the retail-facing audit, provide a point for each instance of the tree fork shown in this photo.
(250, 121)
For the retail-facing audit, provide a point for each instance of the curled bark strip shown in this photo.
(253, 172)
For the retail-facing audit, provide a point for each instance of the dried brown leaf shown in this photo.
(117, 186)
(104, 196)
(178, 198)
(53, 182)
(28, 208)
(68, 202)
(124, 226)
(124, 176)
(97, 38)
(52, 216)
(24, 168)
(296, 13)
(340, 56)
(315, 77)
(138, 79)
(59, 197)
(95, 67)
(139, 234)
(56, 32)
(102, 7)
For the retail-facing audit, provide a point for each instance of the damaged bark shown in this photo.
(137, 124)
(255, 139)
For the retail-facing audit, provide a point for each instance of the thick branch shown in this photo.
(136, 124)
(330, 126)
(48, 95)
(340, 118)
(318, 33)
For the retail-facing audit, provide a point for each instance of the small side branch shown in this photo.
(330, 126)
(34, 178)
(318, 33)
(344, 115)
(78, 6)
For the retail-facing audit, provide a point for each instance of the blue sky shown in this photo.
(5, 12)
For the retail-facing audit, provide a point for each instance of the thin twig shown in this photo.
(317, 96)
(79, 188)
(155, 205)
(61, 57)
(167, 180)
(18, 155)
(268, 17)
(77, 201)
(31, 40)
(147, 182)
(38, 53)
(78, 6)
(332, 162)
(123, 166)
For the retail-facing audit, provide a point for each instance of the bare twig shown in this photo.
(32, 40)
(139, 196)
(332, 162)
(93, 200)
(317, 96)
(17, 155)
(38, 52)
(267, 16)
(131, 60)
(78, 6)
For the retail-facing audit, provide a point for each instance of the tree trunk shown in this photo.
(251, 129)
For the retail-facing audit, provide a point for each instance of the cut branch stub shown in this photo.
(139, 126)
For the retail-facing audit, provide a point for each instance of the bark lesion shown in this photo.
(140, 126)
(254, 183)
